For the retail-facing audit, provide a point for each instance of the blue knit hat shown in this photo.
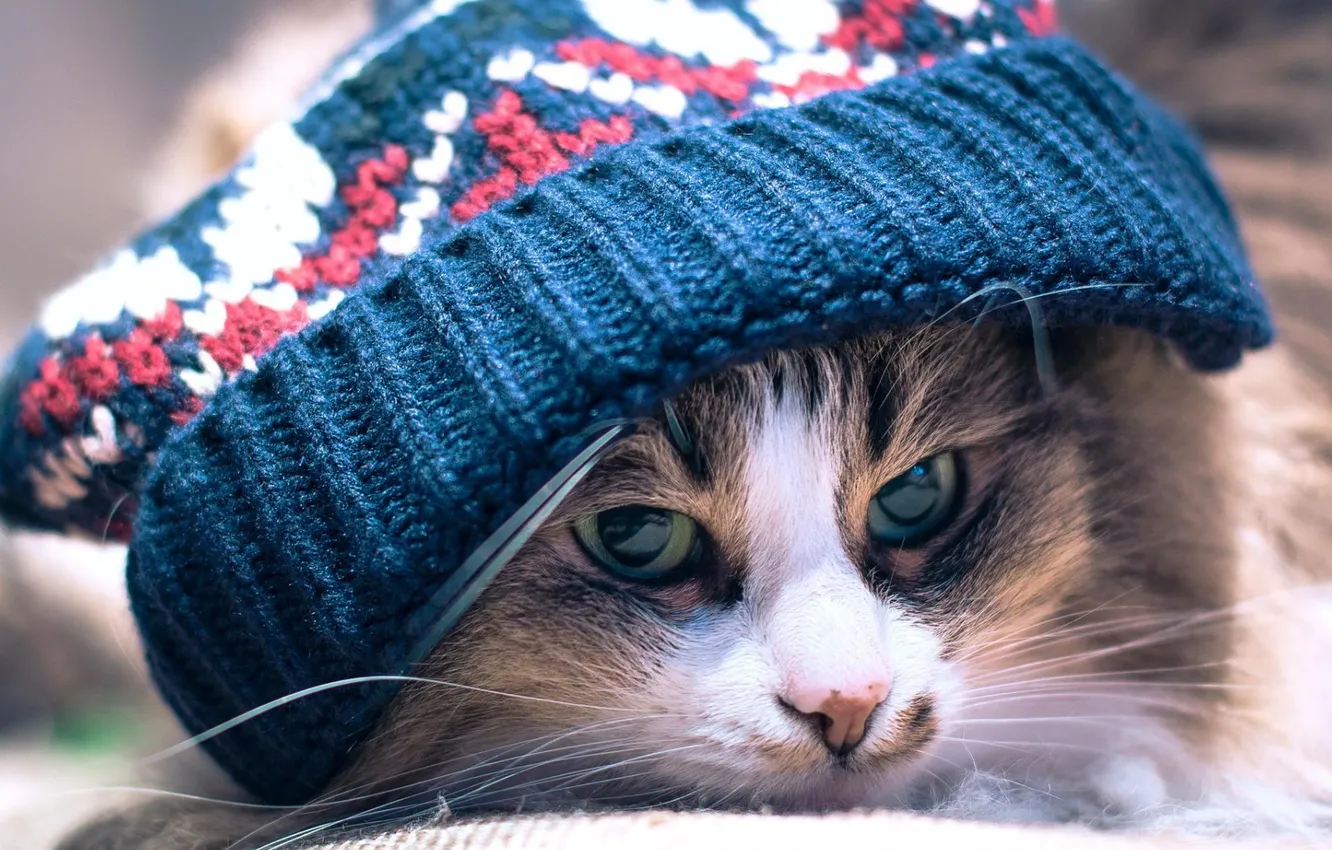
(315, 397)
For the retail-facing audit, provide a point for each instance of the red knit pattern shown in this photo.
(728, 83)
(94, 375)
(879, 25)
(373, 210)
(252, 329)
(166, 327)
(53, 394)
(527, 151)
(189, 408)
(94, 372)
(815, 83)
(1041, 21)
(143, 360)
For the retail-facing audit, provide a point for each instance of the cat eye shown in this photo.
(639, 542)
(917, 504)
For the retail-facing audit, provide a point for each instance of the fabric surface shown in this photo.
(699, 831)
(345, 367)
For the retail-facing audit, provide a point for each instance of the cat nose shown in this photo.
(842, 713)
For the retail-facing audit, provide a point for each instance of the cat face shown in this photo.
(851, 576)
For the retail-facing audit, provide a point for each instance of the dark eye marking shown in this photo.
(958, 555)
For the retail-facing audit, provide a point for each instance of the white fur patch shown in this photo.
(1131, 783)
(818, 619)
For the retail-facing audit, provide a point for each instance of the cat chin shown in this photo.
(828, 788)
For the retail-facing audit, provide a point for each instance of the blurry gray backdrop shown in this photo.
(87, 88)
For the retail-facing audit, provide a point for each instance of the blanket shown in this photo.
(705, 831)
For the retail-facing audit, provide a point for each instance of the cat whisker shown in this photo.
(515, 767)
(1253, 606)
(1116, 678)
(508, 767)
(964, 742)
(1004, 646)
(1071, 618)
(1010, 646)
(499, 777)
(1156, 637)
(1030, 748)
(1044, 357)
(1089, 690)
(1134, 699)
(400, 812)
(472, 793)
(166, 794)
(346, 796)
(240, 719)
(1094, 719)
(573, 785)
(337, 796)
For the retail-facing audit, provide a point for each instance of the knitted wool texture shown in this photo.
(532, 217)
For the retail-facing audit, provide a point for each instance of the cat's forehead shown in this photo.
(868, 405)
(890, 387)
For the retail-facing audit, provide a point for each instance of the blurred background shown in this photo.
(88, 89)
(97, 95)
(114, 112)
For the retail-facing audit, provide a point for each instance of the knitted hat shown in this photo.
(315, 396)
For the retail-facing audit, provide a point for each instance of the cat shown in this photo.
(924, 570)
(907, 572)
(879, 568)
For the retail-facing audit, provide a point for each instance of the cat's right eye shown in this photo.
(639, 542)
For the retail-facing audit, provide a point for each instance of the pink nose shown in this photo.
(841, 712)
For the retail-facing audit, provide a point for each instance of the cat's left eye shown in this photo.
(916, 505)
(639, 542)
